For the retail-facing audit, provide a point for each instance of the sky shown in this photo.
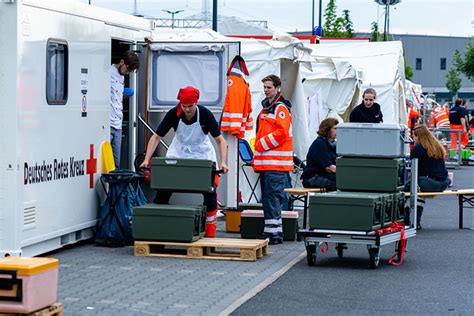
(425, 17)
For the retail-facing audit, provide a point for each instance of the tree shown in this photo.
(329, 18)
(408, 70)
(453, 81)
(375, 35)
(348, 25)
(465, 65)
(468, 69)
(335, 26)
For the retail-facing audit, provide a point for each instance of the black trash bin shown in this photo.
(124, 193)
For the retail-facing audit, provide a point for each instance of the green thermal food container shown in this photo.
(398, 214)
(252, 222)
(358, 211)
(162, 222)
(370, 174)
(387, 208)
(182, 175)
(250, 206)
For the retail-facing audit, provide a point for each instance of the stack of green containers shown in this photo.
(182, 223)
(370, 186)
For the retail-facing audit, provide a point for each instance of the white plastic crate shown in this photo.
(372, 140)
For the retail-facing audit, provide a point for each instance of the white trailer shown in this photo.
(54, 92)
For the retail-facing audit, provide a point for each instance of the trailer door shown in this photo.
(173, 65)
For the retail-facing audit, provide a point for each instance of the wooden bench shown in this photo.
(465, 200)
(301, 194)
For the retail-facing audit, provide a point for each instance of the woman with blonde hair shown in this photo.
(432, 173)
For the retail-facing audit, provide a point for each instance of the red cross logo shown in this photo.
(91, 166)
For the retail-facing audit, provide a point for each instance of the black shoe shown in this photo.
(275, 241)
(418, 226)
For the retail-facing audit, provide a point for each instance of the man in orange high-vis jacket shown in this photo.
(412, 114)
(273, 156)
(439, 118)
(457, 118)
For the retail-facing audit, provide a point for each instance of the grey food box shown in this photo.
(371, 140)
(162, 222)
(182, 175)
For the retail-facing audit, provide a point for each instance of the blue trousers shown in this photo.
(273, 184)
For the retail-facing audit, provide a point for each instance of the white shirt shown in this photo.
(116, 97)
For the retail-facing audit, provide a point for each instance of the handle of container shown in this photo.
(407, 139)
(8, 284)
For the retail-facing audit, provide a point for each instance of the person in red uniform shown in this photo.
(273, 156)
(458, 120)
(192, 123)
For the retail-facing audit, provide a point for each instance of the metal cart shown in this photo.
(314, 238)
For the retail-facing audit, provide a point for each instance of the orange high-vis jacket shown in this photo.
(413, 116)
(237, 113)
(274, 140)
(439, 118)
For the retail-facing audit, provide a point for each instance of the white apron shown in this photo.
(191, 142)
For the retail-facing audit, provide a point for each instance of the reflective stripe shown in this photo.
(272, 229)
(231, 124)
(232, 115)
(264, 144)
(273, 221)
(420, 202)
(275, 153)
(273, 162)
(238, 72)
(273, 140)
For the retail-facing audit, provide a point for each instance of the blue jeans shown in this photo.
(429, 185)
(285, 204)
(116, 143)
(273, 184)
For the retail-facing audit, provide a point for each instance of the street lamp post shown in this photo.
(172, 15)
(387, 4)
(313, 31)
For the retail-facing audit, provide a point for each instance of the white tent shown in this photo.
(383, 69)
(330, 89)
(414, 93)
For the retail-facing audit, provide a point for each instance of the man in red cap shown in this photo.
(192, 123)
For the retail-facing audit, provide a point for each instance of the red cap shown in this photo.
(188, 95)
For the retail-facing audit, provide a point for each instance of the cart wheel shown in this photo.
(340, 249)
(311, 254)
(374, 257)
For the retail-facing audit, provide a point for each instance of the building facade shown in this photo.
(430, 58)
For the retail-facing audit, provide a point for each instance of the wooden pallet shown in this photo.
(206, 248)
(54, 310)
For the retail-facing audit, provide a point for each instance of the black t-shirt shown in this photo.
(321, 154)
(434, 168)
(206, 120)
(456, 113)
(363, 114)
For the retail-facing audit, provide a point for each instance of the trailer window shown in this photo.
(174, 70)
(56, 72)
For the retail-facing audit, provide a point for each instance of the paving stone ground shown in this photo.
(112, 281)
